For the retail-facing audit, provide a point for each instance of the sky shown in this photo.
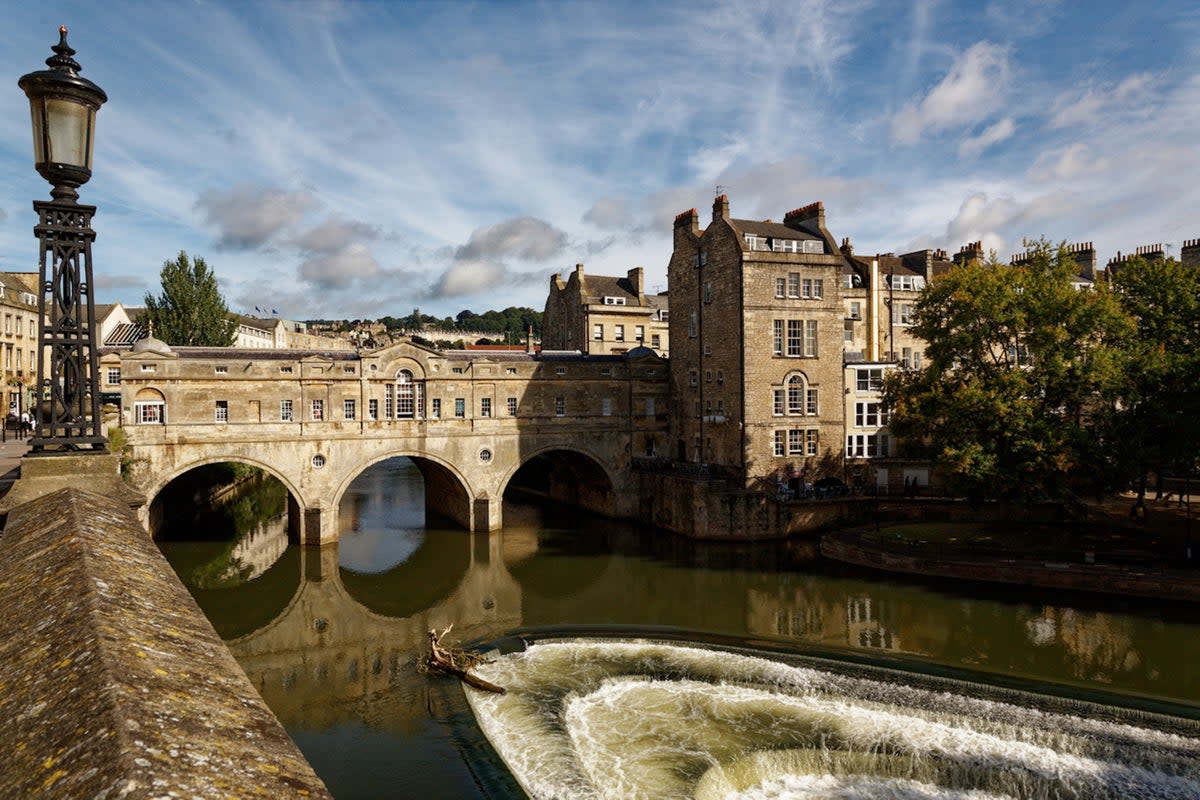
(362, 159)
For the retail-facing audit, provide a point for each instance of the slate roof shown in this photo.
(773, 230)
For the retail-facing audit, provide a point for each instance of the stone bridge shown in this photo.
(470, 421)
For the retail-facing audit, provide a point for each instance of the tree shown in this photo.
(1155, 427)
(190, 310)
(1019, 362)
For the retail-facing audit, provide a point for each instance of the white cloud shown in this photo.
(249, 217)
(335, 234)
(1085, 108)
(974, 88)
(994, 134)
(1068, 163)
(521, 237)
(467, 277)
(609, 213)
(339, 269)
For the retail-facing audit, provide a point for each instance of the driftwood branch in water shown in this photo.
(455, 662)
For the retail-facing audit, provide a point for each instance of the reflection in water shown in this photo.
(634, 719)
(330, 636)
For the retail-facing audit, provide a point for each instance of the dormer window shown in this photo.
(614, 301)
(907, 283)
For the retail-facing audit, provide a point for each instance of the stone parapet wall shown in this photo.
(115, 685)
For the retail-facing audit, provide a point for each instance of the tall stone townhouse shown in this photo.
(779, 345)
(18, 299)
(604, 315)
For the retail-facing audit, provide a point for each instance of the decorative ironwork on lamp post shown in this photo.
(63, 109)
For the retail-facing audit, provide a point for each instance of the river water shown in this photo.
(643, 665)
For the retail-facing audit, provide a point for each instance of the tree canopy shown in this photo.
(190, 310)
(1156, 425)
(1019, 364)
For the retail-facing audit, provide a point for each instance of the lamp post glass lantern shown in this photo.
(63, 108)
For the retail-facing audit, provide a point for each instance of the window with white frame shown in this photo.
(795, 395)
(692, 322)
(795, 442)
(113, 376)
(614, 301)
(285, 411)
(870, 415)
(777, 404)
(639, 333)
(793, 284)
(436, 408)
(460, 408)
(693, 378)
(485, 407)
(512, 406)
(349, 409)
(656, 341)
(868, 379)
(810, 338)
(150, 412)
(848, 331)
(373, 408)
(407, 392)
(777, 337)
(780, 443)
(813, 288)
(810, 402)
(619, 333)
(221, 411)
(795, 338)
(598, 333)
(903, 313)
(560, 406)
(780, 287)
(910, 358)
(867, 445)
(708, 295)
(318, 411)
(811, 439)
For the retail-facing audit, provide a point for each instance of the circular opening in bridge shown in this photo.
(318, 461)
(485, 456)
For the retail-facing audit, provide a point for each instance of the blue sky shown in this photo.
(360, 159)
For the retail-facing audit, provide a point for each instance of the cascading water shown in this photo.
(642, 719)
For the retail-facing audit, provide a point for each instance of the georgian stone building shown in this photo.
(604, 315)
(19, 301)
(756, 344)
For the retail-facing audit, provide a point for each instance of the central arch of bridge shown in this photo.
(448, 495)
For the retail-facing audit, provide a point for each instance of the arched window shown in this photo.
(795, 394)
(410, 396)
(150, 408)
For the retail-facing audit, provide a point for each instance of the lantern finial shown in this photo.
(61, 60)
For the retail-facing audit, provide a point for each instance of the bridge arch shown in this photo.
(448, 493)
(296, 500)
(571, 474)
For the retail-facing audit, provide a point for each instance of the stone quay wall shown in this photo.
(114, 685)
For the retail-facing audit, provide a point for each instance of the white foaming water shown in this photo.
(604, 719)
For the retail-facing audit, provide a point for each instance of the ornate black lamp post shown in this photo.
(63, 109)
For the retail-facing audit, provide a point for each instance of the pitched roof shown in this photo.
(773, 230)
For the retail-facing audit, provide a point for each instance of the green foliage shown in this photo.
(190, 310)
(1019, 365)
(1156, 425)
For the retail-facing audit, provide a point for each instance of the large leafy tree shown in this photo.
(1018, 363)
(190, 310)
(1155, 428)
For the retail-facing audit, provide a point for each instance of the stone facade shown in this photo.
(317, 419)
(19, 304)
(603, 315)
(756, 367)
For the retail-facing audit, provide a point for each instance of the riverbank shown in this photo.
(1114, 553)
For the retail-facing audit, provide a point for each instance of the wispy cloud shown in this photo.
(973, 89)
(993, 134)
(250, 217)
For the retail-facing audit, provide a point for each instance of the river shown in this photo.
(813, 680)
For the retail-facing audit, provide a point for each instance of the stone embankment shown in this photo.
(1159, 583)
(112, 682)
